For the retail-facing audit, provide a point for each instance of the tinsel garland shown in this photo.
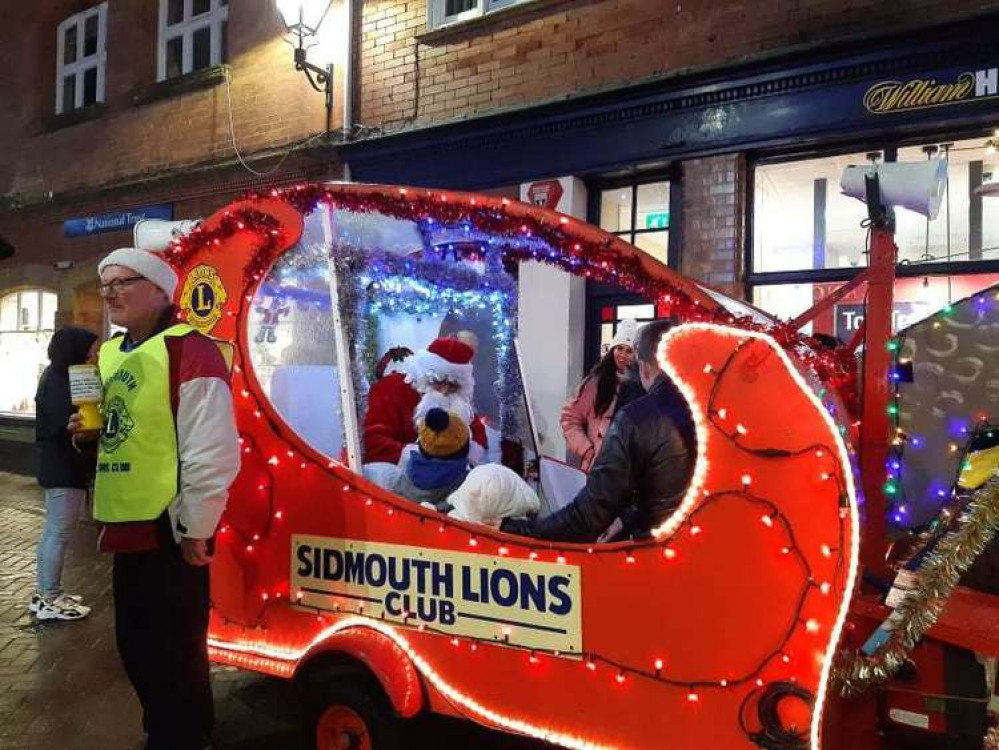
(517, 240)
(599, 261)
(348, 263)
(264, 225)
(362, 275)
(922, 606)
(496, 290)
(991, 739)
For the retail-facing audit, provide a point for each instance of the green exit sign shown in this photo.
(657, 220)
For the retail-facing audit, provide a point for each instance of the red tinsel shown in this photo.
(237, 220)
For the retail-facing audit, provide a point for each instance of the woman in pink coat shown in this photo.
(587, 415)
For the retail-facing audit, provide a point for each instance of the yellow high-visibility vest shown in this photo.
(138, 465)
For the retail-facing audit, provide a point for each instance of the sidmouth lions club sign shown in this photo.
(888, 97)
(523, 602)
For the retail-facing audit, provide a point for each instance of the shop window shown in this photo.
(192, 36)
(446, 12)
(800, 219)
(81, 59)
(967, 227)
(639, 214)
(915, 298)
(27, 320)
(805, 233)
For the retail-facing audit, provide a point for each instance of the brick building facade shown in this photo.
(146, 142)
(686, 100)
(547, 49)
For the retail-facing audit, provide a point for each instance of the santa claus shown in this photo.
(440, 377)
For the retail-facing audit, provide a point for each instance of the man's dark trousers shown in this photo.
(161, 622)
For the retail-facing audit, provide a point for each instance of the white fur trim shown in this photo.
(429, 366)
(147, 264)
(396, 367)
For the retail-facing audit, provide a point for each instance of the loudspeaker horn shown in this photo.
(918, 186)
(157, 234)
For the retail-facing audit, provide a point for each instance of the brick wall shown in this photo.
(38, 237)
(548, 49)
(272, 104)
(713, 221)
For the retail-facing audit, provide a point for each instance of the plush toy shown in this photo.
(272, 309)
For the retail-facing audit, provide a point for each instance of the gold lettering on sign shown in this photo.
(920, 93)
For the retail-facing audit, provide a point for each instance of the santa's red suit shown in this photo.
(404, 394)
(388, 425)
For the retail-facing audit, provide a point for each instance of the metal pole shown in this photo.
(348, 70)
(345, 367)
(875, 425)
(328, 92)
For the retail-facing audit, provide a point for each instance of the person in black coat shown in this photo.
(644, 466)
(65, 471)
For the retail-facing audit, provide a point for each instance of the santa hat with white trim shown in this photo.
(446, 359)
(149, 265)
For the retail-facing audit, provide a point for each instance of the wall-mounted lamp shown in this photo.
(303, 18)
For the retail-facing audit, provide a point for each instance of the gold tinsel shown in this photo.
(921, 607)
(991, 740)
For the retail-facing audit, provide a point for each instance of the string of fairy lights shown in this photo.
(770, 516)
(943, 489)
(523, 239)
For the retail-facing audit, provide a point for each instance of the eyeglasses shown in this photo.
(117, 286)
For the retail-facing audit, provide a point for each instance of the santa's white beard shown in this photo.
(456, 403)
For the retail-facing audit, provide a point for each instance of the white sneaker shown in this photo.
(61, 608)
(36, 599)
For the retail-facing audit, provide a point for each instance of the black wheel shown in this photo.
(350, 713)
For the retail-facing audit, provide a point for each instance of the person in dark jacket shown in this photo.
(644, 466)
(631, 389)
(65, 472)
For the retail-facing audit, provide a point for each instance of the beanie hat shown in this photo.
(148, 265)
(625, 335)
(442, 434)
(445, 358)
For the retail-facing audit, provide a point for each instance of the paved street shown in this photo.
(62, 688)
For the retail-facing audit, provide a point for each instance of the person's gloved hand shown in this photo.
(518, 526)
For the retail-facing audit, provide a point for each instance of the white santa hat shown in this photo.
(146, 264)
(444, 359)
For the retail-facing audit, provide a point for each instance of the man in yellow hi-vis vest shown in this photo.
(168, 453)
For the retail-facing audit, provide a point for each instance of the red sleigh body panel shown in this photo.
(668, 643)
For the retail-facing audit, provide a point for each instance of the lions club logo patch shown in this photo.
(203, 298)
(118, 423)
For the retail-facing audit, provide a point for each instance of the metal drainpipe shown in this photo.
(348, 80)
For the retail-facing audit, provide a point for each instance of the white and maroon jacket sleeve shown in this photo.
(207, 441)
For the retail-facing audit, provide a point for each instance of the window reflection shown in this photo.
(292, 344)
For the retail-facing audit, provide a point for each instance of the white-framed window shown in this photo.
(447, 12)
(193, 35)
(27, 321)
(81, 63)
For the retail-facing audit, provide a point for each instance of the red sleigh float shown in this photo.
(732, 609)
